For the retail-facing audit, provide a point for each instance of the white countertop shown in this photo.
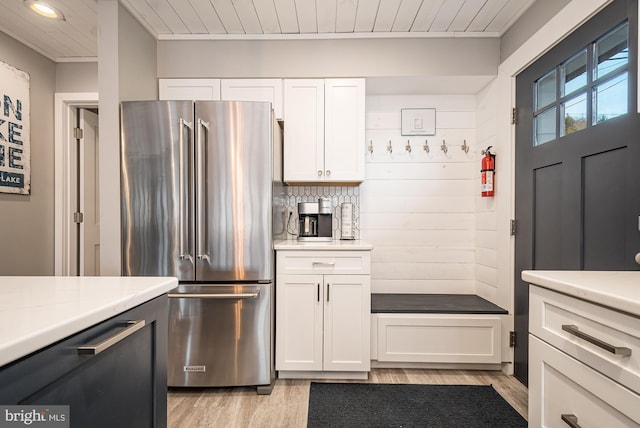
(615, 289)
(38, 311)
(336, 244)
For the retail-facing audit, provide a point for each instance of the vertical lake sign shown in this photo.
(15, 131)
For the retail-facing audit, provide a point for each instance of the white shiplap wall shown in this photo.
(418, 209)
(486, 248)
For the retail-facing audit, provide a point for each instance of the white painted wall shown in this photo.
(426, 57)
(26, 226)
(418, 208)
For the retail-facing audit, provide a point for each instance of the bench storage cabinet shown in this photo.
(438, 329)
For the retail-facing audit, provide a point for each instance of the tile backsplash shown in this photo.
(337, 194)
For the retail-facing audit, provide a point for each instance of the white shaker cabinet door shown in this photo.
(344, 140)
(299, 303)
(189, 89)
(303, 130)
(269, 90)
(347, 309)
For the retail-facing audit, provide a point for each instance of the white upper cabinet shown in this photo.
(324, 130)
(255, 90)
(189, 89)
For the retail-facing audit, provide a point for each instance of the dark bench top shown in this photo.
(433, 304)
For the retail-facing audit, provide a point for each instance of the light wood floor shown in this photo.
(287, 404)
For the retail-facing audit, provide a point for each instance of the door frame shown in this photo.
(64, 123)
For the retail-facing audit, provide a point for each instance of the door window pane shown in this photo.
(575, 114)
(610, 99)
(612, 51)
(574, 73)
(546, 90)
(545, 126)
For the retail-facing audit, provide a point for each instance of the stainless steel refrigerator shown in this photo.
(201, 190)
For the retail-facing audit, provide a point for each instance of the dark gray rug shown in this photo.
(408, 405)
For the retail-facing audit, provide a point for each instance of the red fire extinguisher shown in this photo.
(487, 173)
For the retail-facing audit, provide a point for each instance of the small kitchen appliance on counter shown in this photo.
(346, 221)
(315, 220)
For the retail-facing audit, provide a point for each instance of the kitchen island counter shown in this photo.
(615, 289)
(334, 245)
(36, 312)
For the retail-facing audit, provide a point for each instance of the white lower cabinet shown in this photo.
(322, 324)
(563, 391)
(582, 363)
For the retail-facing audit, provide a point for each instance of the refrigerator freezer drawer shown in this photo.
(220, 335)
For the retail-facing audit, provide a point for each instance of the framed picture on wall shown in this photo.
(15, 147)
(418, 121)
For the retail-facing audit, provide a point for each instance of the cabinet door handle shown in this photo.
(617, 350)
(319, 173)
(92, 349)
(571, 420)
(318, 292)
(328, 285)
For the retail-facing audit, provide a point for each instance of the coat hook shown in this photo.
(465, 147)
(426, 146)
(444, 147)
(389, 147)
(371, 146)
(408, 146)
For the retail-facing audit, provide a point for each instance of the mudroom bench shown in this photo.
(436, 331)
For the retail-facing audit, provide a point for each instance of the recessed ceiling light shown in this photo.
(44, 9)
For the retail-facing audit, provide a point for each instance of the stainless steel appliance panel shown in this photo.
(157, 213)
(234, 191)
(220, 335)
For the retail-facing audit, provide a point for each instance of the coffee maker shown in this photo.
(315, 220)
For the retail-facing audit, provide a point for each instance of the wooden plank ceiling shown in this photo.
(76, 36)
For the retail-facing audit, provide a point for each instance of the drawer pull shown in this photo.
(133, 326)
(571, 420)
(332, 264)
(214, 296)
(617, 350)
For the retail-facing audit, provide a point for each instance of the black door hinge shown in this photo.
(514, 227)
(512, 339)
(514, 116)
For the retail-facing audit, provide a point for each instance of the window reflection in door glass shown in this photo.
(546, 90)
(612, 51)
(575, 114)
(545, 126)
(574, 73)
(610, 99)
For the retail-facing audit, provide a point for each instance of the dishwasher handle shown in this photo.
(215, 295)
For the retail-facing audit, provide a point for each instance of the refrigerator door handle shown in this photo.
(202, 247)
(183, 203)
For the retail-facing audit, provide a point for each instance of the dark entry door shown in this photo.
(577, 156)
